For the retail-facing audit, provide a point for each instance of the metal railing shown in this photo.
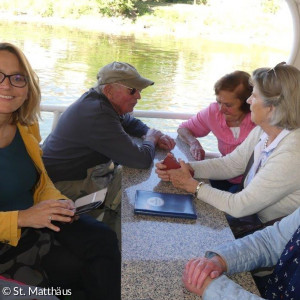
(57, 110)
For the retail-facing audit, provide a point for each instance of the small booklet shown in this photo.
(90, 202)
(164, 204)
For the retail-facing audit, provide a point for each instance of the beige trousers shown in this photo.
(99, 177)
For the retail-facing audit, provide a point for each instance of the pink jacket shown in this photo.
(212, 120)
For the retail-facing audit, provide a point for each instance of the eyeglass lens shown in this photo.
(132, 91)
(16, 80)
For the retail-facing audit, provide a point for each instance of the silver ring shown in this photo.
(50, 218)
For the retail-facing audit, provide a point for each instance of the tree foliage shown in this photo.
(131, 8)
(117, 7)
(182, 1)
(270, 6)
(110, 8)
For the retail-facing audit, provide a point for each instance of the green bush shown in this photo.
(48, 11)
(50, 8)
(182, 1)
(117, 7)
(270, 6)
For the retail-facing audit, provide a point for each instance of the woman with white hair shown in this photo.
(271, 188)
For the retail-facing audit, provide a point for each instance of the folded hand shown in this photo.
(166, 142)
(199, 271)
(182, 178)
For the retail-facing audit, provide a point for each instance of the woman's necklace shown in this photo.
(266, 143)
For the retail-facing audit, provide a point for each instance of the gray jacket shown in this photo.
(89, 133)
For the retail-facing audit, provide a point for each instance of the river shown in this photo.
(184, 69)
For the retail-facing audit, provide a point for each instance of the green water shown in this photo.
(184, 69)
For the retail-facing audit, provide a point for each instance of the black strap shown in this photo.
(271, 222)
(248, 224)
(248, 167)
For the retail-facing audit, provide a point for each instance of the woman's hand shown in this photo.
(161, 171)
(197, 151)
(182, 179)
(194, 289)
(42, 214)
(199, 272)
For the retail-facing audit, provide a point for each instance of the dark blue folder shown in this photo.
(165, 205)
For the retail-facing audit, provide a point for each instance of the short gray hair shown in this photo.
(280, 87)
(99, 87)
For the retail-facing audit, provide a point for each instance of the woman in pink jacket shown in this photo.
(228, 119)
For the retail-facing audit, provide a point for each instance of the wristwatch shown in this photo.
(210, 254)
(198, 188)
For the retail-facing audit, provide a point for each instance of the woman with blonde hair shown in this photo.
(40, 241)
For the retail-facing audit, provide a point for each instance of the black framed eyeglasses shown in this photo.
(132, 91)
(16, 80)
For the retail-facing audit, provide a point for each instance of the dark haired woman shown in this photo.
(228, 119)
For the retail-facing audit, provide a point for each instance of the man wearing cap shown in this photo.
(94, 134)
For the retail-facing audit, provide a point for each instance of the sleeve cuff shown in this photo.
(224, 288)
(15, 233)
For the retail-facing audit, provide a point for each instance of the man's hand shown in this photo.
(166, 142)
(163, 141)
(153, 135)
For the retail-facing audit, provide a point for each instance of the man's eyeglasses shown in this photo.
(16, 80)
(132, 90)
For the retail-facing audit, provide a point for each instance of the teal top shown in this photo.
(18, 176)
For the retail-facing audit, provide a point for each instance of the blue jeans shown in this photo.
(224, 185)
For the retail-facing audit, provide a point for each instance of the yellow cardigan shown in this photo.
(44, 189)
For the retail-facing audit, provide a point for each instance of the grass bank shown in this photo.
(230, 20)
